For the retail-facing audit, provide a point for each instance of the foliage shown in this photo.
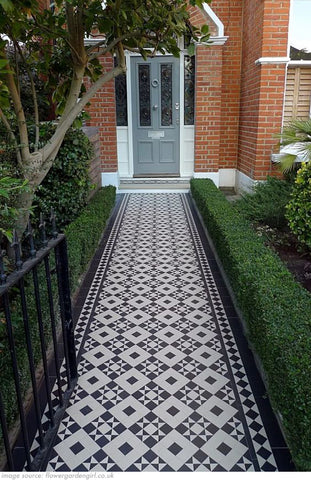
(298, 210)
(86, 231)
(277, 311)
(67, 185)
(9, 188)
(267, 202)
(26, 78)
(49, 44)
(296, 143)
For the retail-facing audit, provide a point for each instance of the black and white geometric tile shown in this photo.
(162, 386)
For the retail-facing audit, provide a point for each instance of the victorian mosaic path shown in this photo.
(166, 381)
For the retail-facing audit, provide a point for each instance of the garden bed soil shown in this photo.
(298, 265)
(296, 258)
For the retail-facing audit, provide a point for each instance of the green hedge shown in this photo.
(83, 236)
(277, 311)
(84, 233)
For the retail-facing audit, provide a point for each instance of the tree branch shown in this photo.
(121, 56)
(12, 136)
(136, 50)
(18, 86)
(76, 34)
(103, 51)
(56, 34)
(75, 89)
(34, 96)
(19, 112)
(108, 48)
(48, 151)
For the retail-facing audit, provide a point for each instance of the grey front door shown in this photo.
(156, 115)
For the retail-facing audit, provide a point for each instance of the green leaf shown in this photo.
(7, 5)
(205, 29)
(191, 49)
(287, 162)
(3, 62)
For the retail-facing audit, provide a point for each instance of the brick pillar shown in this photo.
(207, 108)
(265, 32)
(270, 114)
(230, 13)
(103, 116)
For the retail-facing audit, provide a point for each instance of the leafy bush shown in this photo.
(84, 233)
(67, 185)
(267, 202)
(10, 187)
(298, 210)
(276, 309)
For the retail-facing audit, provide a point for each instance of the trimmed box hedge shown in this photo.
(276, 309)
(84, 233)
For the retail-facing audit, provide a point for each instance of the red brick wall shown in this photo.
(44, 3)
(218, 101)
(265, 30)
(238, 104)
(230, 13)
(207, 108)
(103, 116)
(199, 18)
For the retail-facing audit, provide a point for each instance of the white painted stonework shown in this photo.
(227, 177)
(110, 178)
(243, 182)
(211, 175)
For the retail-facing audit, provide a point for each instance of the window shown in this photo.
(299, 30)
(121, 99)
(189, 80)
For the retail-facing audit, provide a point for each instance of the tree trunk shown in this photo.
(24, 204)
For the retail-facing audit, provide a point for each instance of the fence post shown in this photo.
(65, 307)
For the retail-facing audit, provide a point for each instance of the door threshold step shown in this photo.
(155, 181)
(154, 184)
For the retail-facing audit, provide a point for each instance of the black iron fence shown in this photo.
(36, 347)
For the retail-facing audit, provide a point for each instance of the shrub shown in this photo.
(10, 184)
(267, 202)
(67, 185)
(276, 309)
(84, 233)
(298, 210)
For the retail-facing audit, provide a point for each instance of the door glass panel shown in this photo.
(166, 95)
(144, 95)
(189, 90)
(121, 98)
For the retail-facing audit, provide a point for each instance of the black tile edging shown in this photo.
(83, 290)
(78, 301)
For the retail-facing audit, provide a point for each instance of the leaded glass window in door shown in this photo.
(121, 99)
(144, 95)
(166, 95)
(189, 93)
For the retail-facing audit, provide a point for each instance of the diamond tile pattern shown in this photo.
(162, 386)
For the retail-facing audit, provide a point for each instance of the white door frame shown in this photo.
(182, 128)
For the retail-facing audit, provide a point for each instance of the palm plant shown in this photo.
(296, 143)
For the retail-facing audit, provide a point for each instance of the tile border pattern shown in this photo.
(256, 430)
(260, 450)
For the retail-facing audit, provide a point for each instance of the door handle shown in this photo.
(154, 107)
(176, 106)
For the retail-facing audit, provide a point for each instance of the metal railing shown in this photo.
(40, 417)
